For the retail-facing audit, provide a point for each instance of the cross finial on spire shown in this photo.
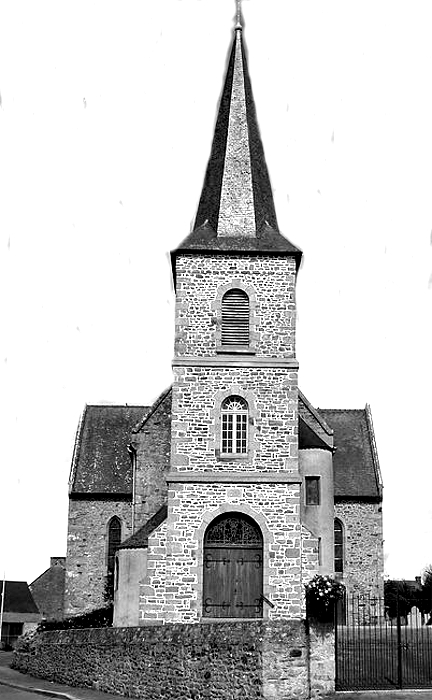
(238, 24)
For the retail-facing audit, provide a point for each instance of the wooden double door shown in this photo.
(233, 568)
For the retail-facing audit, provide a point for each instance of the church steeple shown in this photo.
(236, 210)
(236, 215)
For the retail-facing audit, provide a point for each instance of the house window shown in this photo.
(234, 425)
(338, 547)
(235, 318)
(114, 539)
(312, 491)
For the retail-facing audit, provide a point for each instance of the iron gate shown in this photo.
(377, 651)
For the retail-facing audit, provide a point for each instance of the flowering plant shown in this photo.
(322, 592)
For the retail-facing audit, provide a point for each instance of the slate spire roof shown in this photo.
(236, 211)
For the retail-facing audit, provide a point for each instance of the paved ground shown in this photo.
(11, 682)
(386, 695)
(14, 694)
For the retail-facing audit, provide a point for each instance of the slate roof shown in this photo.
(18, 598)
(355, 460)
(267, 238)
(101, 463)
(313, 430)
(139, 539)
(308, 439)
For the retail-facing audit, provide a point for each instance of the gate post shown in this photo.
(399, 642)
(335, 622)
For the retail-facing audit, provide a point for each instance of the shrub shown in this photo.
(322, 593)
(398, 598)
(101, 617)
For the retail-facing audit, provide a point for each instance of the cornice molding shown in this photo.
(233, 477)
(236, 361)
(85, 496)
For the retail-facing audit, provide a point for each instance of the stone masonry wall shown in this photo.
(172, 589)
(153, 450)
(86, 559)
(258, 660)
(156, 597)
(199, 277)
(271, 394)
(309, 554)
(363, 550)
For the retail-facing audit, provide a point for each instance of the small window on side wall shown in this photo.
(114, 539)
(235, 318)
(234, 415)
(338, 547)
(312, 489)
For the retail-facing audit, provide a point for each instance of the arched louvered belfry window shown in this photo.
(338, 547)
(234, 425)
(235, 318)
(114, 539)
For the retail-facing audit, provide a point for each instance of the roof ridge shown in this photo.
(360, 410)
(315, 412)
(152, 523)
(40, 576)
(76, 451)
(116, 405)
(152, 409)
(375, 459)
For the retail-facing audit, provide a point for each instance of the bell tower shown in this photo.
(233, 542)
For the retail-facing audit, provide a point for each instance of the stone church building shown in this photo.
(224, 498)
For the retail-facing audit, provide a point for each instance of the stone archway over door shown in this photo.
(233, 567)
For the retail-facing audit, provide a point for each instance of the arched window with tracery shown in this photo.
(235, 318)
(234, 433)
(114, 539)
(338, 547)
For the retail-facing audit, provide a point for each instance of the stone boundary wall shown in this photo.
(230, 660)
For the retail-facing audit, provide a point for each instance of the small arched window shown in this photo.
(234, 425)
(338, 547)
(235, 318)
(114, 539)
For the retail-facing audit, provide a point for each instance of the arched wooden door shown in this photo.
(233, 567)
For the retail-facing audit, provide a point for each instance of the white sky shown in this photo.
(106, 120)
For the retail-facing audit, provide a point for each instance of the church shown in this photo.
(229, 493)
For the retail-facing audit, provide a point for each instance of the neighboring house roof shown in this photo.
(139, 539)
(48, 589)
(18, 598)
(355, 461)
(101, 463)
(414, 586)
(236, 212)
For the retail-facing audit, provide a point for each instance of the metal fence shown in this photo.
(382, 646)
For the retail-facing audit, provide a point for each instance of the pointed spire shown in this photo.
(236, 210)
(236, 204)
(239, 14)
(236, 198)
